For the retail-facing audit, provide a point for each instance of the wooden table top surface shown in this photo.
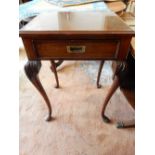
(77, 22)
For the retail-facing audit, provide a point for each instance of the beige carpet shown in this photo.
(78, 128)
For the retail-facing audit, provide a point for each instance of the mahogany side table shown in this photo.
(73, 36)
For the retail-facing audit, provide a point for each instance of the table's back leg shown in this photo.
(32, 69)
(57, 64)
(99, 74)
(53, 68)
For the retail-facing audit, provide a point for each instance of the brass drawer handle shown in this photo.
(76, 49)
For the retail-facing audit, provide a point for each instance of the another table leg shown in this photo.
(53, 68)
(99, 74)
(116, 83)
(32, 69)
(57, 64)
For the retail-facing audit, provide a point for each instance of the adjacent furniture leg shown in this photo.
(99, 74)
(53, 68)
(32, 69)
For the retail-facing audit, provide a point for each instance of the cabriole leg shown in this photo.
(32, 69)
(116, 83)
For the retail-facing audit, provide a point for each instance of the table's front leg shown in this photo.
(116, 83)
(32, 69)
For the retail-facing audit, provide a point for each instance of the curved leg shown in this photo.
(99, 74)
(113, 88)
(32, 69)
(116, 83)
(53, 68)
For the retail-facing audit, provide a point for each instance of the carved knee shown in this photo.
(32, 68)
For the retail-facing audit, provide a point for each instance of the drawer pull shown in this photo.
(76, 49)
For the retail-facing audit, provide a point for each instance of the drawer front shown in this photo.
(76, 49)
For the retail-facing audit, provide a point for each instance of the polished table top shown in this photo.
(103, 31)
(78, 22)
